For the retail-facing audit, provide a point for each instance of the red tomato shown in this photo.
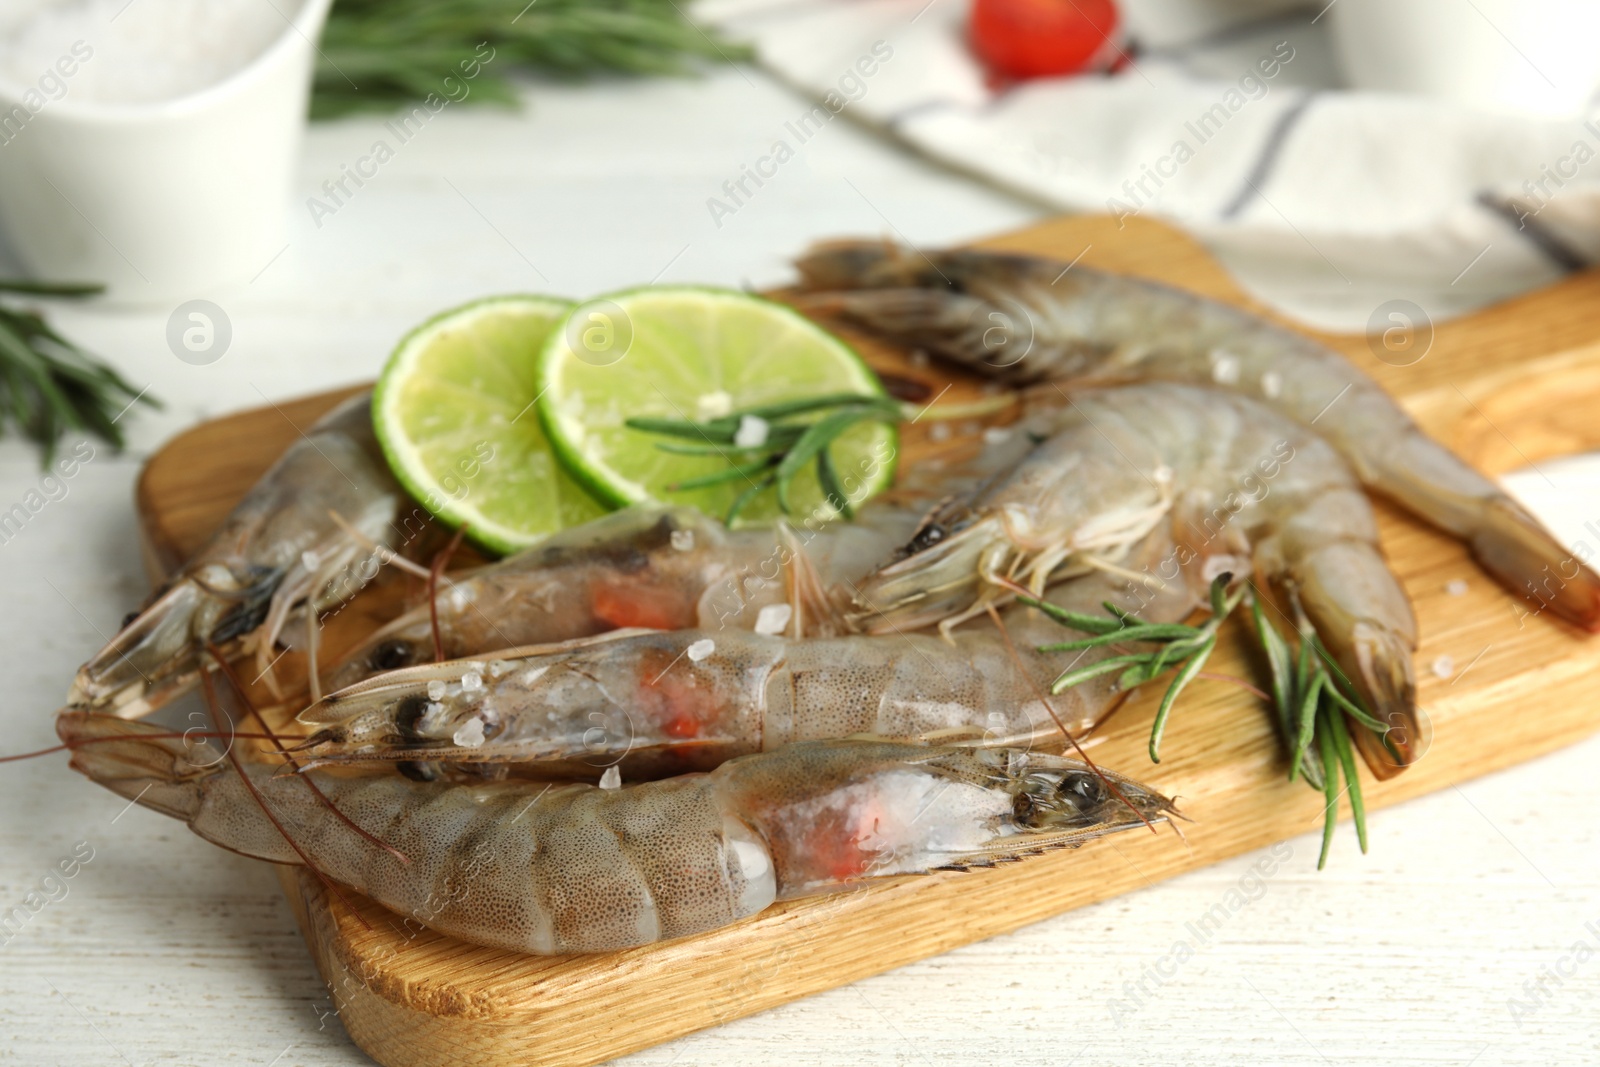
(1043, 38)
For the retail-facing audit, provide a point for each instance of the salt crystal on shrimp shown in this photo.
(683, 540)
(612, 779)
(772, 619)
(1224, 367)
(470, 735)
(472, 681)
(701, 649)
(436, 689)
(531, 679)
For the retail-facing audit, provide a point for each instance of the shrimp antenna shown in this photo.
(440, 562)
(210, 688)
(272, 735)
(1073, 741)
(154, 737)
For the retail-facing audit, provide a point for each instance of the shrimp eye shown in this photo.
(1082, 789)
(418, 770)
(390, 656)
(927, 537)
(406, 714)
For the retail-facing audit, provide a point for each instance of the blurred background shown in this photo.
(272, 192)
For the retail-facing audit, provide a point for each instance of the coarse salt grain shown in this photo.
(996, 435)
(471, 682)
(144, 52)
(1456, 587)
(436, 689)
(683, 540)
(1444, 667)
(773, 618)
(1224, 368)
(612, 779)
(531, 679)
(701, 649)
(752, 432)
(470, 735)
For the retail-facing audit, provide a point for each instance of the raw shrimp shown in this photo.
(664, 568)
(670, 568)
(573, 868)
(1233, 481)
(689, 699)
(1027, 320)
(297, 541)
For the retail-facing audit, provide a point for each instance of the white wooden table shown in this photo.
(165, 950)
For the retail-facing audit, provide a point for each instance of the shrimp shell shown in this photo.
(1228, 478)
(573, 868)
(662, 703)
(1027, 320)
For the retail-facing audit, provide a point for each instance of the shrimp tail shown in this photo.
(1362, 617)
(1383, 676)
(1511, 545)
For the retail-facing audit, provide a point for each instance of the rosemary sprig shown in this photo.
(375, 54)
(1185, 647)
(1315, 704)
(48, 385)
(1317, 707)
(792, 441)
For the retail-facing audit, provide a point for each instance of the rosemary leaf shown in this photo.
(1347, 760)
(1147, 632)
(730, 474)
(1330, 792)
(819, 436)
(1071, 619)
(832, 491)
(744, 498)
(1078, 675)
(1305, 724)
(1185, 675)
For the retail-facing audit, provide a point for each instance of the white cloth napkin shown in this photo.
(1325, 203)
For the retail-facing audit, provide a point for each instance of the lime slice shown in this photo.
(454, 412)
(687, 353)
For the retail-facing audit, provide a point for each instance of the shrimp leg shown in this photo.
(572, 868)
(1026, 320)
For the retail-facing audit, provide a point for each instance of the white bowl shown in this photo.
(161, 200)
(1539, 57)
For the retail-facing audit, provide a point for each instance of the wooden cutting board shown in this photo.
(1505, 387)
